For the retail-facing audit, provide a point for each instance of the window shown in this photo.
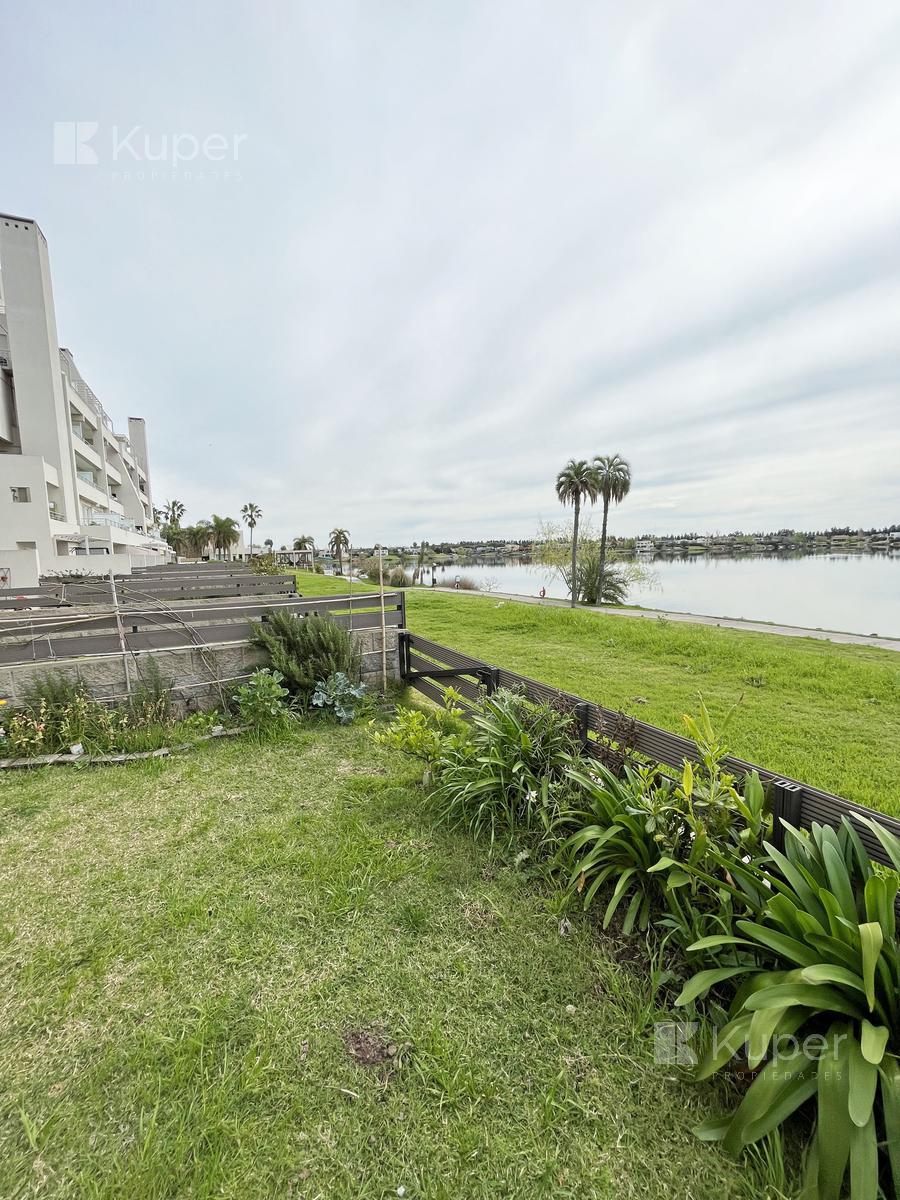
(21, 495)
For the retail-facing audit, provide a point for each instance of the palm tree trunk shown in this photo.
(602, 552)
(251, 541)
(575, 552)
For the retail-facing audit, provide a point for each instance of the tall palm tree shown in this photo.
(614, 483)
(338, 542)
(250, 514)
(174, 511)
(575, 483)
(225, 532)
(197, 538)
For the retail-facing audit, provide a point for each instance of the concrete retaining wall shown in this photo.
(193, 672)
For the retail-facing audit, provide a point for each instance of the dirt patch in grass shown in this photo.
(371, 1047)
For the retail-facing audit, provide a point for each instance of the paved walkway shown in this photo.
(822, 635)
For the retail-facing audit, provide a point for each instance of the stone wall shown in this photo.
(200, 676)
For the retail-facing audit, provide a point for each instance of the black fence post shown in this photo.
(490, 679)
(402, 609)
(403, 646)
(786, 800)
(582, 714)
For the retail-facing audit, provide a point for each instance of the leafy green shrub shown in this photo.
(265, 564)
(338, 695)
(398, 577)
(306, 649)
(511, 775)
(617, 843)
(393, 574)
(587, 578)
(663, 844)
(427, 735)
(820, 975)
(262, 702)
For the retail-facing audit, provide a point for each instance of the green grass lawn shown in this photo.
(195, 952)
(823, 713)
(310, 584)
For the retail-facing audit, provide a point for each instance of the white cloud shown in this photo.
(471, 241)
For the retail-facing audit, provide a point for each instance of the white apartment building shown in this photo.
(74, 494)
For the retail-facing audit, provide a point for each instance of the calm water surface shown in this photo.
(857, 593)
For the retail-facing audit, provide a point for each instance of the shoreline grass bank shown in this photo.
(822, 712)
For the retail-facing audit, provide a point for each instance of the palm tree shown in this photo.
(614, 483)
(196, 538)
(225, 532)
(575, 483)
(176, 537)
(338, 542)
(174, 511)
(250, 514)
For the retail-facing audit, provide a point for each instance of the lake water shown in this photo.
(858, 593)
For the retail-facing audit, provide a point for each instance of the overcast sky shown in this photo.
(463, 242)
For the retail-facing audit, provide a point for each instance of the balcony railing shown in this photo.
(92, 516)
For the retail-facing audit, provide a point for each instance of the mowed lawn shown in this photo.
(264, 972)
(823, 713)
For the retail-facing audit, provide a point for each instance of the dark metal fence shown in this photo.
(48, 635)
(137, 588)
(429, 668)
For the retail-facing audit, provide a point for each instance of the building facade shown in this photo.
(75, 495)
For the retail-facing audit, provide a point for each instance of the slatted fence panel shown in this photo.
(26, 637)
(807, 804)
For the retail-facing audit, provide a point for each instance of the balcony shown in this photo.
(85, 449)
(91, 516)
(88, 487)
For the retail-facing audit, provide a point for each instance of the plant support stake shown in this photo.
(121, 631)
(383, 634)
